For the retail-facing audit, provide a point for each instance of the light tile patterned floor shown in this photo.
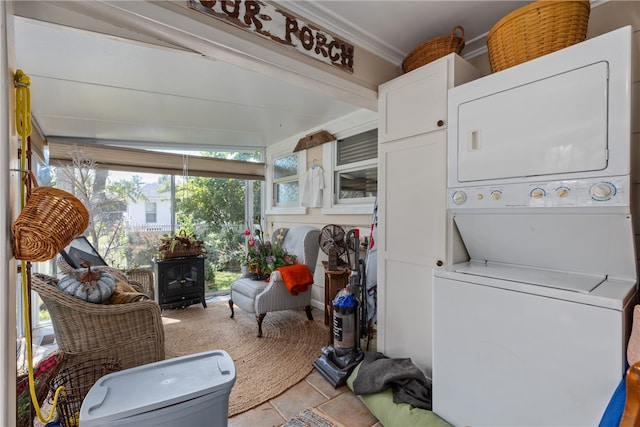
(313, 392)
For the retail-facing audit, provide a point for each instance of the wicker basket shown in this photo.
(180, 246)
(77, 380)
(43, 374)
(435, 48)
(50, 219)
(535, 30)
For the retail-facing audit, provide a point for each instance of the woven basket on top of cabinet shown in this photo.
(534, 30)
(434, 48)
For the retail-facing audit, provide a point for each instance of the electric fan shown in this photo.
(332, 243)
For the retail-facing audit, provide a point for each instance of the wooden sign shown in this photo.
(274, 23)
(314, 139)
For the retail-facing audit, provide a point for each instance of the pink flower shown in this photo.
(247, 232)
(252, 241)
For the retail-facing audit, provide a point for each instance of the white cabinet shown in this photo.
(416, 102)
(415, 234)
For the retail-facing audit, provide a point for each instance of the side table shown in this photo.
(334, 280)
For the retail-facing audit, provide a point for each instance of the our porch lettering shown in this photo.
(282, 27)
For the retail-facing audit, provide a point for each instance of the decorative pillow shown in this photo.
(49, 280)
(88, 285)
(125, 293)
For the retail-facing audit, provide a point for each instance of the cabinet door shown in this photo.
(412, 237)
(413, 206)
(192, 278)
(414, 103)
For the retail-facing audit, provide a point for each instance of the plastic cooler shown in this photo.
(190, 390)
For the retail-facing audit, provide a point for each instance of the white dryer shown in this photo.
(532, 331)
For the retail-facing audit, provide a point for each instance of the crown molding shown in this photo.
(337, 25)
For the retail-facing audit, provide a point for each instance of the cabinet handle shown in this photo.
(440, 123)
(439, 263)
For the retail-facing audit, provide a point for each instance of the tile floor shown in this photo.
(313, 392)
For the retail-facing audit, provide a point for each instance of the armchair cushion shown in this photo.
(249, 287)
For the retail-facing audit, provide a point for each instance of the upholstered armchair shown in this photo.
(132, 333)
(261, 297)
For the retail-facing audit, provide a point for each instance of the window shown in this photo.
(285, 181)
(356, 168)
(151, 212)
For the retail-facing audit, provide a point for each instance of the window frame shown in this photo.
(293, 209)
(330, 157)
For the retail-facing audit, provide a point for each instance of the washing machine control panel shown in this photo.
(611, 191)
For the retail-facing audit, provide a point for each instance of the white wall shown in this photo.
(348, 218)
(9, 187)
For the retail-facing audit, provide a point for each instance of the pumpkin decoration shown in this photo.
(88, 285)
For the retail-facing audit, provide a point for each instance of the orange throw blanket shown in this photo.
(297, 278)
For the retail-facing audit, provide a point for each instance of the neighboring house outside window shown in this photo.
(153, 212)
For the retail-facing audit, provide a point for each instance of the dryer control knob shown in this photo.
(538, 193)
(496, 195)
(602, 191)
(459, 197)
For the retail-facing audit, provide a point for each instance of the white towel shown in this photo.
(312, 186)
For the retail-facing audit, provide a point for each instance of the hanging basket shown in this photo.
(77, 379)
(435, 48)
(534, 30)
(49, 221)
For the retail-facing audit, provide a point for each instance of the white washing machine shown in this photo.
(532, 331)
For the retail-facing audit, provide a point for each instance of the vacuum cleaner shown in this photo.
(337, 361)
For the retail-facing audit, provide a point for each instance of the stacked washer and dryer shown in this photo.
(532, 330)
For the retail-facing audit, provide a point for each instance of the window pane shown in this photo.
(358, 184)
(359, 147)
(286, 192)
(150, 209)
(285, 166)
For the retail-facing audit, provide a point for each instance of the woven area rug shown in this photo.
(265, 367)
(311, 418)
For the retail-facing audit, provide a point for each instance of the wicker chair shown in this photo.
(140, 278)
(143, 277)
(130, 333)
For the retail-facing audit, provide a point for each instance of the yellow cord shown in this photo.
(23, 120)
(27, 323)
(23, 125)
